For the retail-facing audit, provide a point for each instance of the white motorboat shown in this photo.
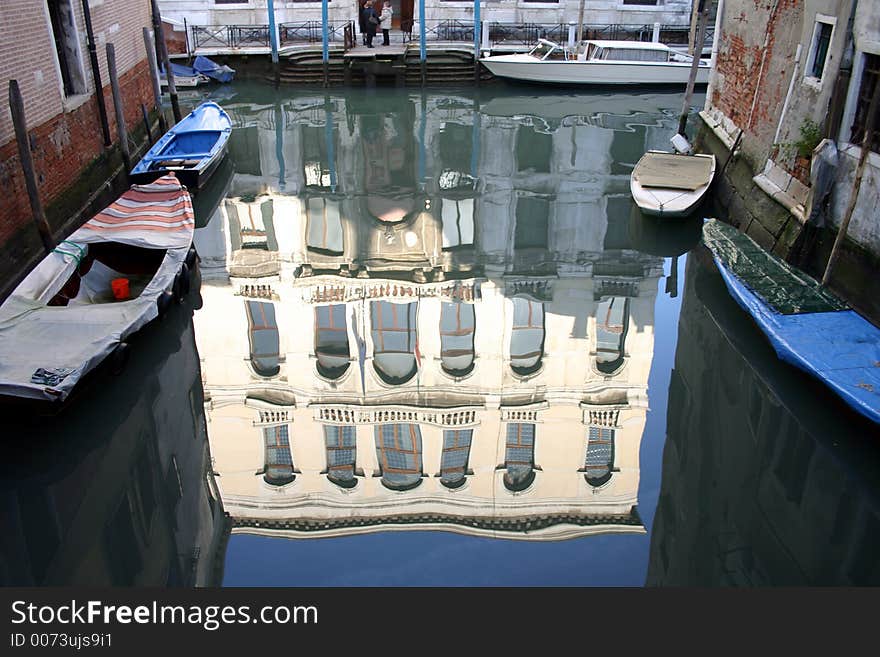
(671, 184)
(598, 62)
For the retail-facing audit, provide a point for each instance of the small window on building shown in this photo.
(457, 324)
(279, 461)
(341, 455)
(456, 451)
(263, 338)
(819, 48)
(519, 456)
(325, 226)
(652, 3)
(399, 452)
(331, 340)
(526, 336)
(394, 340)
(870, 79)
(600, 455)
(612, 323)
(67, 47)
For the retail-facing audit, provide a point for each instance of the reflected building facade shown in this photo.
(424, 313)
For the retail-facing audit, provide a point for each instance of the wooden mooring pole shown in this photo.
(147, 124)
(121, 132)
(16, 105)
(166, 62)
(154, 77)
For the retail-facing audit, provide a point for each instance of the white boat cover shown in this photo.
(45, 350)
(673, 171)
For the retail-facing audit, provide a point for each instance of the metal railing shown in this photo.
(508, 34)
(312, 32)
(229, 36)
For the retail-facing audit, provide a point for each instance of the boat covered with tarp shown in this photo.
(807, 325)
(115, 274)
(192, 149)
(215, 71)
(184, 76)
(667, 184)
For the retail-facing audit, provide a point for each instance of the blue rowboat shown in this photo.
(192, 149)
(807, 326)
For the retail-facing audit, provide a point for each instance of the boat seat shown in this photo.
(182, 156)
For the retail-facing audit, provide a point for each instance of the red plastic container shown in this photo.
(120, 288)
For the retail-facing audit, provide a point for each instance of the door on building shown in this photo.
(403, 15)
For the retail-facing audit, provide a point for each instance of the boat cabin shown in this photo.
(607, 51)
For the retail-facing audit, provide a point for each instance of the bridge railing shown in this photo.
(312, 32)
(229, 36)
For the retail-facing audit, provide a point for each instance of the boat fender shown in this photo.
(163, 303)
(119, 358)
(191, 256)
(181, 283)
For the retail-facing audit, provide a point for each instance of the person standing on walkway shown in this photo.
(385, 22)
(362, 21)
(371, 20)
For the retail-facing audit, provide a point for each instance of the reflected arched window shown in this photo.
(325, 226)
(263, 337)
(527, 336)
(457, 324)
(519, 456)
(394, 340)
(341, 453)
(279, 462)
(399, 451)
(600, 455)
(456, 451)
(612, 322)
(331, 340)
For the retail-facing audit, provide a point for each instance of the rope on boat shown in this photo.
(77, 256)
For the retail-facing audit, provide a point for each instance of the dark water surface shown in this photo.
(434, 343)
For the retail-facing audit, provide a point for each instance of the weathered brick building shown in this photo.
(787, 74)
(45, 48)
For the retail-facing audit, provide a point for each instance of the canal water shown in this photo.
(432, 342)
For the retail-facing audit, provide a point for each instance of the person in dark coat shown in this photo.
(371, 20)
(362, 26)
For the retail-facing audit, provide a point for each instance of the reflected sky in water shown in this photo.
(434, 343)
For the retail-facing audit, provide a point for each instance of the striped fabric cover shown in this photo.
(157, 215)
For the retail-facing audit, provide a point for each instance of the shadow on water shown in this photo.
(768, 478)
(114, 489)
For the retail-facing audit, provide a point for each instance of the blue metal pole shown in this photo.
(325, 34)
(279, 143)
(476, 30)
(423, 51)
(422, 126)
(273, 33)
(475, 140)
(328, 136)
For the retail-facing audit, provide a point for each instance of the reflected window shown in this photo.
(252, 224)
(534, 150)
(279, 461)
(458, 222)
(316, 156)
(121, 545)
(455, 145)
(526, 336)
(399, 451)
(532, 223)
(263, 337)
(612, 322)
(341, 454)
(325, 226)
(519, 456)
(600, 455)
(457, 324)
(394, 340)
(331, 340)
(454, 461)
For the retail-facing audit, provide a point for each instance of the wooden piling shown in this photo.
(16, 105)
(121, 132)
(146, 116)
(154, 77)
(166, 62)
